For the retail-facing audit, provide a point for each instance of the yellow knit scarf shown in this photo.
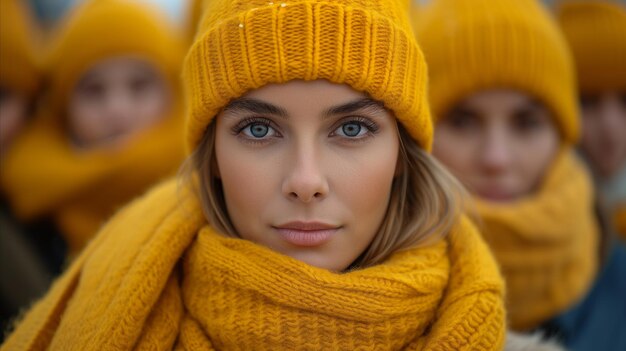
(157, 277)
(546, 244)
(44, 175)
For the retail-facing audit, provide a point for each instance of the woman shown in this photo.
(317, 220)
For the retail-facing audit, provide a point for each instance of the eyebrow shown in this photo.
(87, 78)
(261, 107)
(350, 107)
(256, 106)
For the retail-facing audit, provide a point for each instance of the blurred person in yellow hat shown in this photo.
(111, 122)
(596, 33)
(24, 274)
(503, 95)
(20, 74)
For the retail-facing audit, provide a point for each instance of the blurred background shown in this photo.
(49, 11)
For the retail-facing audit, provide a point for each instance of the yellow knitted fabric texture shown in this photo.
(244, 44)
(472, 45)
(546, 244)
(167, 281)
(596, 32)
(102, 29)
(18, 66)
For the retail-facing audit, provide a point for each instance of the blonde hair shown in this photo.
(425, 201)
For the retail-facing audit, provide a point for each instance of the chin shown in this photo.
(319, 260)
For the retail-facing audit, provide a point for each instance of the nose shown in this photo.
(120, 106)
(496, 154)
(305, 180)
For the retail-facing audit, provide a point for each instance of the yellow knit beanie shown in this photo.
(18, 67)
(101, 29)
(368, 44)
(596, 32)
(472, 45)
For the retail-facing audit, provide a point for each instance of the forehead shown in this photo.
(497, 97)
(499, 100)
(299, 94)
(117, 67)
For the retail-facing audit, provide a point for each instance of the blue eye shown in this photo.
(258, 130)
(351, 129)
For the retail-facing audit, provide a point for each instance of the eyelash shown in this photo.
(237, 129)
(244, 123)
(371, 126)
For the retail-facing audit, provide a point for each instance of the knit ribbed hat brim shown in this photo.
(244, 45)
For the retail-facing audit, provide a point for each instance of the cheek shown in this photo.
(591, 130)
(243, 191)
(154, 103)
(86, 119)
(536, 156)
(249, 181)
(362, 180)
(12, 116)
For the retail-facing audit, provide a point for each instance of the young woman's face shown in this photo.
(604, 132)
(13, 114)
(307, 169)
(115, 99)
(499, 143)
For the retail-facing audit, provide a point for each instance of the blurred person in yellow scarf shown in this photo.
(596, 32)
(24, 274)
(503, 95)
(20, 74)
(311, 216)
(111, 122)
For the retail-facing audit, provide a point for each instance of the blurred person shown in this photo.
(111, 122)
(24, 275)
(502, 90)
(19, 70)
(311, 214)
(596, 32)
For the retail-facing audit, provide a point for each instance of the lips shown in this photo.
(306, 234)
